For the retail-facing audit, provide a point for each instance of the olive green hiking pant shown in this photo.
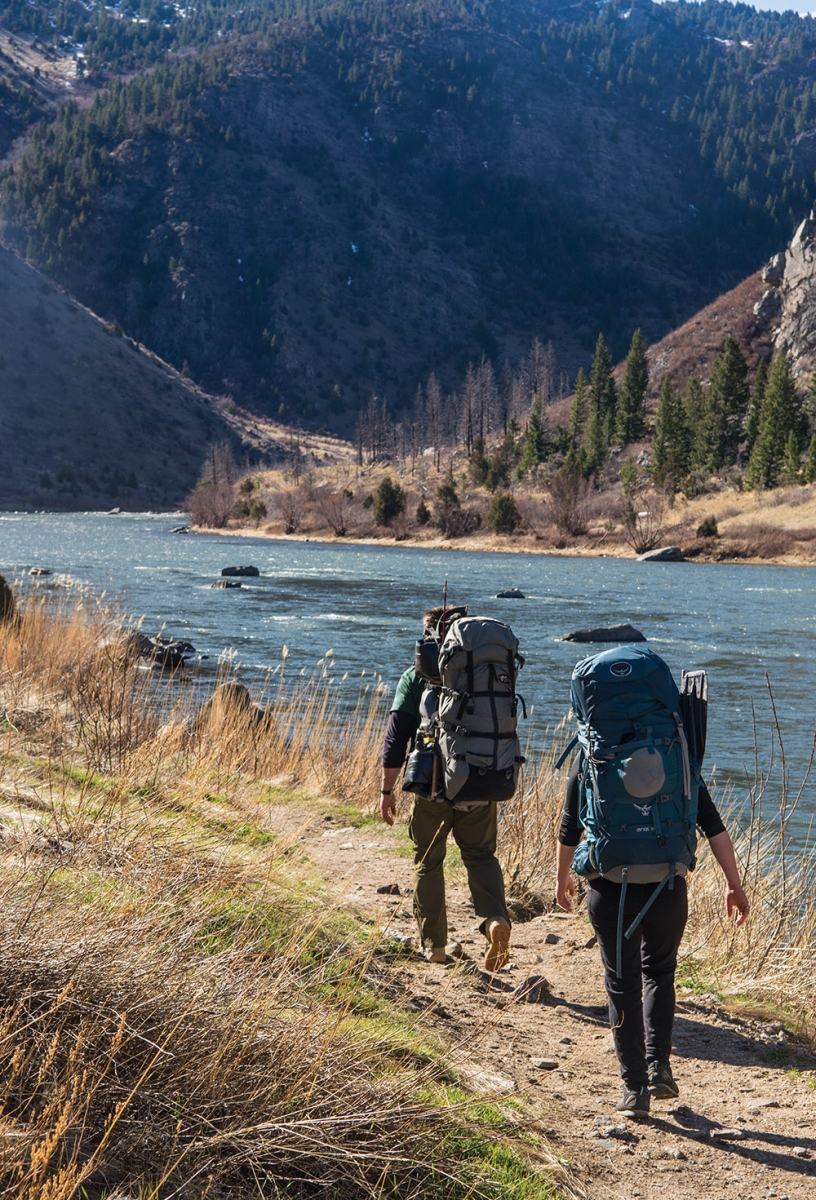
(474, 832)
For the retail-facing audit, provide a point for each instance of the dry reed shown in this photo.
(182, 1010)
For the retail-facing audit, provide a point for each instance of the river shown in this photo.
(738, 622)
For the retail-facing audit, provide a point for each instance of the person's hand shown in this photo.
(564, 891)
(388, 807)
(736, 901)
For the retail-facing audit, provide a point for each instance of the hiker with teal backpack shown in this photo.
(634, 802)
(457, 707)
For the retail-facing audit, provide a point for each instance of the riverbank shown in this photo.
(774, 528)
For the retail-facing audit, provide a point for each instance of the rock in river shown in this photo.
(663, 554)
(243, 571)
(511, 594)
(606, 633)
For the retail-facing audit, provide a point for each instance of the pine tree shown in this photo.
(631, 415)
(602, 395)
(594, 447)
(729, 393)
(779, 416)
(579, 410)
(810, 408)
(809, 473)
(755, 406)
(534, 447)
(693, 402)
(792, 459)
(629, 477)
(705, 449)
(670, 445)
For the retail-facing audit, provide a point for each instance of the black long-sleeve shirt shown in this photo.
(570, 831)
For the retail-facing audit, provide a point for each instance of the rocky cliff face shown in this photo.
(788, 305)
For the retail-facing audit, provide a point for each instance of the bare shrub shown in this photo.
(535, 513)
(335, 509)
(211, 505)
(459, 522)
(791, 496)
(569, 501)
(291, 508)
(643, 526)
(759, 540)
(605, 506)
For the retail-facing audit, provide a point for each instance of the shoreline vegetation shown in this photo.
(724, 470)
(773, 528)
(189, 1003)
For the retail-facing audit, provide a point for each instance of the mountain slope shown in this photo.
(344, 198)
(89, 419)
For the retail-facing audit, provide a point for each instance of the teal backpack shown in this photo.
(638, 783)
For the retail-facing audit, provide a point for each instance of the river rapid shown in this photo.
(740, 623)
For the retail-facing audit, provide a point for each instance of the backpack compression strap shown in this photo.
(667, 879)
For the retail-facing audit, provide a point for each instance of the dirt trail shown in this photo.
(744, 1126)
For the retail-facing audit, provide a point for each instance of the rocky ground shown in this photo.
(744, 1127)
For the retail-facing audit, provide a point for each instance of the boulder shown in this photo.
(163, 651)
(229, 700)
(511, 594)
(180, 529)
(663, 554)
(769, 306)
(36, 571)
(774, 272)
(8, 608)
(606, 633)
(242, 571)
(226, 583)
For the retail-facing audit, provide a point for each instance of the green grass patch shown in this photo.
(490, 1147)
(82, 777)
(692, 978)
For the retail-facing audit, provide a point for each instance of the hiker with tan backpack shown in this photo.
(456, 706)
(634, 801)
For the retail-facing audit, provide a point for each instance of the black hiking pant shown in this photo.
(641, 1002)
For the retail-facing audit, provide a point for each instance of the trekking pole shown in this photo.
(435, 772)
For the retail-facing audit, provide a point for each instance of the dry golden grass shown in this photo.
(183, 1012)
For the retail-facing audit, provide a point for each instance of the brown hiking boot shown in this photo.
(498, 952)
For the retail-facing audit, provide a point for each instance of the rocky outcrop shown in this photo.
(245, 572)
(788, 305)
(226, 583)
(606, 633)
(511, 594)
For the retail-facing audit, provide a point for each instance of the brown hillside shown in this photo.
(89, 418)
(691, 349)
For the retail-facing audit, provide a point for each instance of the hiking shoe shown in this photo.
(437, 955)
(498, 952)
(662, 1084)
(635, 1103)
